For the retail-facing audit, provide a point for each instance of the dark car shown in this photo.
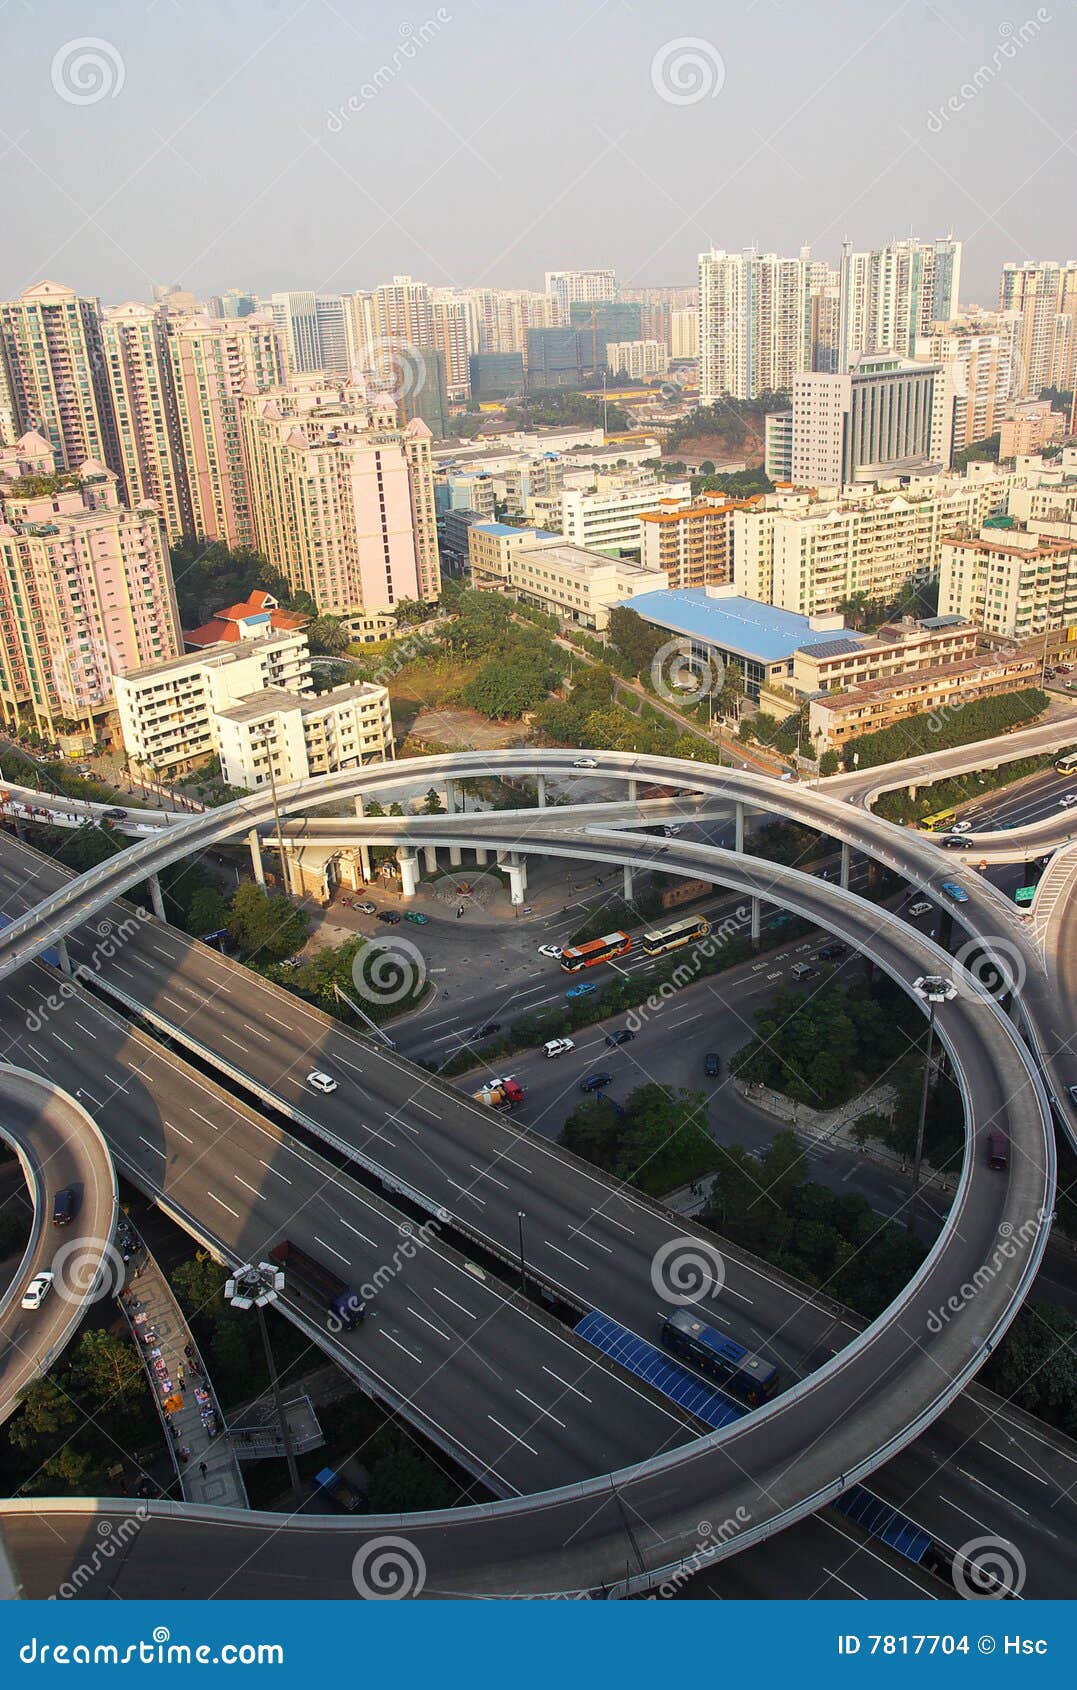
(390, 917)
(621, 1037)
(64, 1206)
(955, 842)
(998, 1151)
(712, 1064)
(595, 1082)
(829, 952)
(486, 1028)
(116, 815)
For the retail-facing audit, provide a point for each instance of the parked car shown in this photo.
(485, 1029)
(712, 1065)
(37, 1290)
(367, 907)
(921, 907)
(620, 1036)
(391, 918)
(319, 1081)
(829, 953)
(595, 1082)
(585, 763)
(583, 990)
(955, 893)
(417, 917)
(65, 1203)
(558, 1047)
(551, 951)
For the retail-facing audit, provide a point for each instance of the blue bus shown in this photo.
(741, 1371)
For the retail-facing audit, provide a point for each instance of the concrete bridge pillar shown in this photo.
(156, 899)
(64, 955)
(739, 845)
(430, 858)
(482, 855)
(409, 871)
(756, 924)
(632, 789)
(629, 878)
(455, 853)
(256, 856)
(846, 858)
(541, 781)
(515, 866)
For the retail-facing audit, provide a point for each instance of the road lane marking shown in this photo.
(540, 1409)
(357, 1233)
(484, 1173)
(252, 1189)
(154, 1147)
(503, 1428)
(270, 1169)
(390, 1339)
(566, 1255)
(182, 1135)
(565, 1383)
(448, 1337)
(332, 1252)
(438, 1292)
(223, 1204)
(206, 1119)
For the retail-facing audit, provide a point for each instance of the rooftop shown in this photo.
(500, 528)
(741, 625)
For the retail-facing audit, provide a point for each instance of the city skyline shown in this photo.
(403, 145)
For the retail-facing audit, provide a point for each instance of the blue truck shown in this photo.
(340, 1491)
(336, 1297)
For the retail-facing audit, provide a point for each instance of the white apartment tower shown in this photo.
(754, 323)
(892, 295)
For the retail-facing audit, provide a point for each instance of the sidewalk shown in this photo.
(193, 1424)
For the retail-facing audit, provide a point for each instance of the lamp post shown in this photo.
(256, 1287)
(931, 989)
(520, 1218)
(267, 748)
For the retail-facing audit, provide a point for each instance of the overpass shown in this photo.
(865, 1403)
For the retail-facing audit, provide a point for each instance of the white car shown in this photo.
(1070, 798)
(920, 908)
(321, 1082)
(37, 1290)
(585, 763)
(961, 827)
(552, 951)
(558, 1047)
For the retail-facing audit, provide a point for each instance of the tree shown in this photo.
(210, 575)
(432, 805)
(207, 912)
(107, 1370)
(328, 636)
(46, 1411)
(638, 641)
(829, 763)
(265, 925)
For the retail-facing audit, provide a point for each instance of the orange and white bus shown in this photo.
(575, 957)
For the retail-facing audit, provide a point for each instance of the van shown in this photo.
(804, 971)
(998, 1151)
(63, 1208)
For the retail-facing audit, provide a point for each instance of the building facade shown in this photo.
(149, 451)
(1011, 581)
(890, 296)
(54, 372)
(1045, 298)
(834, 719)
(691, 544)
(754, 323)
(871, 422)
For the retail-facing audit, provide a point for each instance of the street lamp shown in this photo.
(263, 741)
(520, 1218)
(254, 1288)
(931, 989)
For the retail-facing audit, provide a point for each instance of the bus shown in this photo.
(676, 934)
(940, 821)
(575, 957)
(748, 1375)
(1067, 764)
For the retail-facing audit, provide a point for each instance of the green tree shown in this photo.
(328, 636)
(265, 925)
(637, 641)
(207, 912)
(432, 804)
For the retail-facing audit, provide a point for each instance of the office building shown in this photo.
(496, 375)
(576, 584)
(890, 296)
(1045, 297)
(873, 421)
(1026, 427)
(492, 547)
(834, 719)
(554, 358)
(426, 395)
(1010, 580)
(343, 499)
(86, 594)
(569, 287)
(605, 515)
(54, 373)
(895, 649)
(754, 323)
(213, 362)
(149, 450)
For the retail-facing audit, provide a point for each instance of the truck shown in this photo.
(338, 1299)
(500, 1094)
(340, 1491)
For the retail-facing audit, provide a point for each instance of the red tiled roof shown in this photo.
(224, 629)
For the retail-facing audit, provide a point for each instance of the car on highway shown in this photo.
(954, 842)
(829, 953)
(583, 990)
(921, 907)
(485, 1028)
(367, 907)
(319, 1081)
(620, 1036)
(955, 893)
(390, 917)
(585, 763)
(417, 917)
(115, 815)
(712, 1064)
(595, 1082)
(37, 1290)
(1070, 798)
(998, 1151)
(558, 1047)
(64, 1206)
(961, 827)
(551, 951)
(670, 829)
(804, 971)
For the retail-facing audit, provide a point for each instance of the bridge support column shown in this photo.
(256, 856)
(739, 845)
(64, 955)
(455, 854)
(515, 866)
(364, 850)
(409, 871)
(156, 899)
(482, 855)
(541, 782)
(430, 858)
(629, 877)
(632, 790)
(846, 856)
(756, 917)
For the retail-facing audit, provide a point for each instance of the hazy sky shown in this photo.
(196, 142)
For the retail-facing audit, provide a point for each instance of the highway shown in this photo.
(59, 1146)
(997, 1065)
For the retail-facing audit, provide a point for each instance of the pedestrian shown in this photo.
(182, 1379)
(203, 1469)
(184, 1454)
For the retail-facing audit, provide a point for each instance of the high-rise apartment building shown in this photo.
(980, 372)
(874, 421)
(1045, 295)
(50, 345)
(86, 593)
(569, 287)
(637, 359)
(403, 314)
(453, 338)
(213, 362)
(312, 333)
(149, 453)
(684, 334)
(891, 295)
(343, 499)
(1012, 582)
(691, 543)
(754, 323)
